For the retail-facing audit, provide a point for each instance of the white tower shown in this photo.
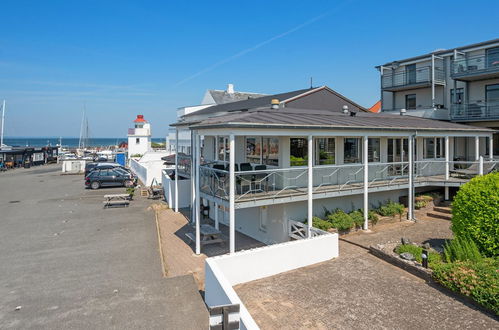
(139, 137)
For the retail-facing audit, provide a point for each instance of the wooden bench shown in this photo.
(123, 202)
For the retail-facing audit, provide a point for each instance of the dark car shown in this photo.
(89, 167)
(109, 178)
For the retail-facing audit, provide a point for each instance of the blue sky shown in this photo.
(122, 58)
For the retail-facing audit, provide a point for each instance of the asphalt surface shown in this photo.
(67, 263)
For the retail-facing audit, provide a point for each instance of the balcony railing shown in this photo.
(184, 164)
(289, 182)
(475, 65)
(421, 75)
(475, 111)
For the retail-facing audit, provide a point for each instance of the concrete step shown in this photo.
(439, 215)
(441, 209)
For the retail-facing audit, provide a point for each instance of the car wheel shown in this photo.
(95, 185)
(128, 183)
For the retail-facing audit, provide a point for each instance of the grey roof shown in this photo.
(264, 101)
(222, 97)
(443, 51)
(314, 119)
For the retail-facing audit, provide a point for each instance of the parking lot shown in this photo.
(66, 262)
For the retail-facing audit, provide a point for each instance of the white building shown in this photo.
(459, 85)
(139, 137)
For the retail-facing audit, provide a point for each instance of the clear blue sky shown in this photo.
(122, 58)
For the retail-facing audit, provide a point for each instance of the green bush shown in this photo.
(475, 213)
(478, 280)
(373, 217)
(416, 251)
(340, 220)
(321, 224)
(357, 218)
(390, 209)
(461, 249)
(420, 204)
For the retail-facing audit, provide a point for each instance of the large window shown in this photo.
(298, 151)
(373, 149)
(262, 150)
(457, 97)
(492, 93)
(398, 150)
(410, 101)
(352, 151)
(410, 72)
(324, 151)
(223, 152)
(434, 148)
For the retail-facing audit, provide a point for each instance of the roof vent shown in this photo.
(230, 89)
(345, 109)
(352, 114)
(274, 104)
(402, 111)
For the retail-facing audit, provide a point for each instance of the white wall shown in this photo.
(73, 166)
(223, 272)
(184, 191)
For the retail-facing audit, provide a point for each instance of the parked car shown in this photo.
(109, 178)
(89, 167)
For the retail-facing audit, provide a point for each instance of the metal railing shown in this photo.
(184, 164)
(298, 230)
(475, 65)
(407, 78)
(475, 111)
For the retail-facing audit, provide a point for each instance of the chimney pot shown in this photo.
(274, 104)
(230, 88)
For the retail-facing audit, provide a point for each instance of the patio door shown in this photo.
(223, 151)
(398, 152)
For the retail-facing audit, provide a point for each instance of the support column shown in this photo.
(193, 181)
(446, 193)
(310, 184)
(433, 80)
(216, 216)
(197, 208)
(366, 181)
(410, 195)
(480, 166)
(491, 147)
(176, 169)
(477, 147)
(447, 157)
(232, 192)
(216, 148)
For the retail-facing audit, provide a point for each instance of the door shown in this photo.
(105, 178)
(410, 74)
(398, 152)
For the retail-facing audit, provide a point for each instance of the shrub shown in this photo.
(357, 218)
(373, 217)
(478, 280)
(321, 224)
(417, 251)
(390, 209)
(461, 249)
(475, 213)
(340, 220)
(420, 204)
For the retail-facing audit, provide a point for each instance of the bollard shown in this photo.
(424, 258)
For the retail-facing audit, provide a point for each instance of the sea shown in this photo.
(68, 142)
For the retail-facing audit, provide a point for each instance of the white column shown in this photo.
(232, 192)
(366, 181)
(176, 169)
(193, 180)
(480, 166)
(447, 155)
(216, 147)
(446, 193)
(310, 184)
(491, 147)
(197, 207)
(433, 80)
(410, 196)
(216, 216)
(477, 147)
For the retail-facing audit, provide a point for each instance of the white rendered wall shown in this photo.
(184, 191)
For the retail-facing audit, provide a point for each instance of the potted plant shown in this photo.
(130, 191)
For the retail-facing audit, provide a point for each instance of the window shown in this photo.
(137, 140)
(352, 151)
(398, 150)
(253, 150)
(410, 72)
(263, 219)
(373, 149)
(223, 148)
(434, 148)
(492, 93)
(410, 101)
(298, 151)
(261, 150)
(324, 151)
(458, 97)
(492, 57)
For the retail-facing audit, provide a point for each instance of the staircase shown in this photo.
(440, 212)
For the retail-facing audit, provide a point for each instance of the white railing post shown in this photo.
(366, 181)
(176, 169)
(477, 147)
(410, 200)
(232, 191)
(310, 184)
(197, 207)
(216, 216)
(447, 157)
(480, 167)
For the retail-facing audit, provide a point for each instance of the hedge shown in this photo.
(475, 213)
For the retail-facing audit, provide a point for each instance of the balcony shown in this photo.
(420, 78)
(475, 68)
(475, 111)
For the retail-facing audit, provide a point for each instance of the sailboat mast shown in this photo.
(3, 119)
(81, 129)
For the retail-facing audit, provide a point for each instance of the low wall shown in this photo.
(223, 272)
(184, 191)
(139, 170)
(147, 171)
(73, 166)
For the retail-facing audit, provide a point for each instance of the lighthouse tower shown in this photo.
(139, 137)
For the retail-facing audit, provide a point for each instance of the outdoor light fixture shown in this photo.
(403, 111)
